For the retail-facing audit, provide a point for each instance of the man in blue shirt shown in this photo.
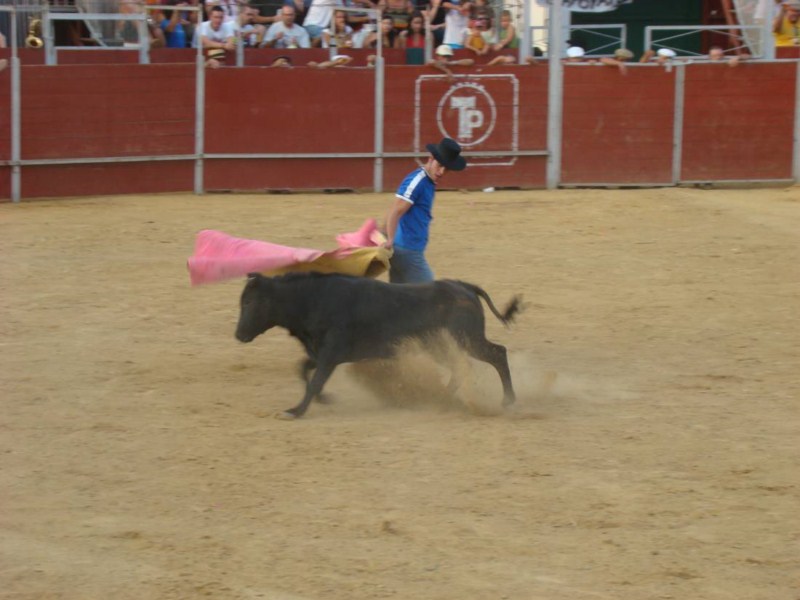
(410, 216)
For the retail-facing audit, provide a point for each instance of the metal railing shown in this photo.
(734, 34)
(605, 44)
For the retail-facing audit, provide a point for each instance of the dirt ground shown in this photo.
(653, 453)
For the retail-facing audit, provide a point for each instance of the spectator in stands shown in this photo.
(414, 36)
(620, 59)
(388, 35)
(175, 26)
(434, 14)
(217, 37)
(399, 10)
(786, 26)
(575, 54)
(286, 33)
(249, 29)
(128, 31)
(339, 34)
(284, 62)
(664, 57)
(480, 10)
(338, 60)
(717, 54)
(443, 60)
(318, 18)
(478, 38)
(230, 9)
(361, 21)
(456, 21)
(507, 35)
(300, 9)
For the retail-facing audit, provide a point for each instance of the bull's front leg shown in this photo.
(314, 387)
(306, 367)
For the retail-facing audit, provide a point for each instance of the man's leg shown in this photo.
(409, 266)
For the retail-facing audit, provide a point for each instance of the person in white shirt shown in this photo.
(231, 8)
(217, 37)
(286, 33)
(318, 18)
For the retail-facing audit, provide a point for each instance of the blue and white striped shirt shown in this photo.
(412, 230)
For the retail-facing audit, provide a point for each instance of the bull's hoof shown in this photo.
(285, 415)
(507, 402)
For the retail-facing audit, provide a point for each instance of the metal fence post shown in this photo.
(199, 120)
(555, 95)
(677, 124)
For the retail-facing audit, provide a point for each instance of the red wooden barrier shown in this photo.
(108, 110)
(617, 128)
(738, 122)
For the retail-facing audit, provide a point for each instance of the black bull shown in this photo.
(341, 319)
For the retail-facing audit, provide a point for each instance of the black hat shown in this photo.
(448, 153)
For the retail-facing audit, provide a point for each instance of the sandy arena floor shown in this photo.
(653, 453)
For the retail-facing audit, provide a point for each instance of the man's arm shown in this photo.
(398, 208)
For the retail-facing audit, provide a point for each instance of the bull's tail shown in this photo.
(512, 308)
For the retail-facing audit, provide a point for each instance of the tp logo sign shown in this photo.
(480, 113)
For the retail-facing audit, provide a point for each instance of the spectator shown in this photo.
(414, 36)
(230, 9)
(301, 9)
(217, 37)
(664, 56)
(621, 57)
(128, 31)
(507, 36)
(338, 60)
(443, 60)
(786, 26)
(249, 29)
(175, 26)
(388, 37)
(399, 10)
(359, 20)
(477, 38)
(318, 18)
(717, 54)
(191, 18)
(456, 21)
(340, 34)
(435, 16)
(286, 33)
(480, 10)
(284, 62)
(575, 54)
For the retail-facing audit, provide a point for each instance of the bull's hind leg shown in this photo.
(495, 355)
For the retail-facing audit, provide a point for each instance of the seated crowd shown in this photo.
(405, 24)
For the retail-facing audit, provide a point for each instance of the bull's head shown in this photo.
(254, 315)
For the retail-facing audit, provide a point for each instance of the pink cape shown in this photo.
(218, 256)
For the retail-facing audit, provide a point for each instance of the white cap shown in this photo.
(444, 50)
(666, 53)
(575, 52)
